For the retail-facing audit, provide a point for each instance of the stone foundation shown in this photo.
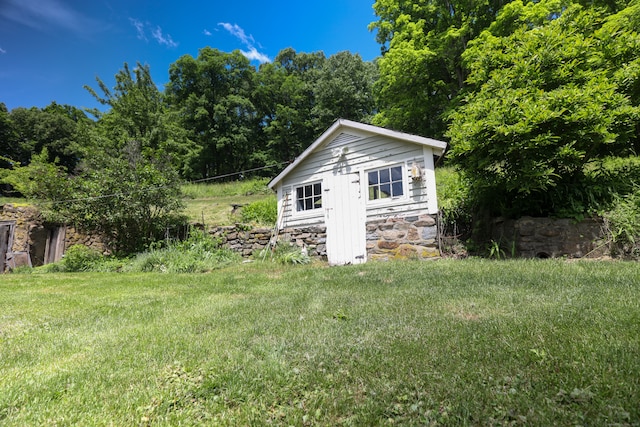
(400, 238)
(392, 238)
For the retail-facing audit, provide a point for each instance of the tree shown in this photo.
(344, 89)
(286, 98)
(300, 94)
(138, 112)
(421, 70)
(549, 103)
(55, 127)
(212, 95)
(132, 199)
(8, 147)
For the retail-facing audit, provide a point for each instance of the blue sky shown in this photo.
(49, 49)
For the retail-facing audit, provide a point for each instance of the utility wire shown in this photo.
(106, 196)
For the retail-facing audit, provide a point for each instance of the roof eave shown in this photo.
(438, 146)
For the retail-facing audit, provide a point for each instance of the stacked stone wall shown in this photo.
(251, 241)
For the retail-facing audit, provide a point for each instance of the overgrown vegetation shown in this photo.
(285, 253)
(261, 212)
(198, 253)
(452, 343)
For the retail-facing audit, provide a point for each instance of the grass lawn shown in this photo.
(410, 343)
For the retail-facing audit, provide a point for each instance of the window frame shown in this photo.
(402, 180)
(314, 198)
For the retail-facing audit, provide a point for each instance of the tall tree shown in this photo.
(8, 142)
(55, 127)
(286, 98)
(344, 89)
(138, 112)
(421, 70)
(213, 95)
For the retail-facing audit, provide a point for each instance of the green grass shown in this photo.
(212, 203)
(435, 343)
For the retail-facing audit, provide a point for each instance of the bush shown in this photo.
(199, 253)
(263, 211)
(453, 199)
(77, 258)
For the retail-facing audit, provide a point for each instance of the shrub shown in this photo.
(263, 211)
(80, 258)
(453, 199)
(622, 223)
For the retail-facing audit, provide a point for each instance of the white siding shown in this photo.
(363, 153)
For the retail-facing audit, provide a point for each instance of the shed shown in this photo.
(369, 191)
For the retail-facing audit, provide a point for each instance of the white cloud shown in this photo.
(237, 31)
(163, 39)
(2, 51)
(156, 33)
(139, 26)
(253, 54)
(206, 32)
(45, 14)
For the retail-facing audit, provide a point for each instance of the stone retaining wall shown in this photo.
(392, 238)
(248, 242)
(530, 237)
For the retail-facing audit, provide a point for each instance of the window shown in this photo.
(309, 197)
(386, 183)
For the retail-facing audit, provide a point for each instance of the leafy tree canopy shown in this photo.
(549, 100)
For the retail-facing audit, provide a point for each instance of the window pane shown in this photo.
(308, 204)
(316, 189)
(300, 205)
(384, 176)
(385, 190)
(307, 191)
(299, 193)
(396, 173)
(397, 189)
(373, 178)
(317, 202)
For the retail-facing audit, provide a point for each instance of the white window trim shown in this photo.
(389, 200)
(310, 212)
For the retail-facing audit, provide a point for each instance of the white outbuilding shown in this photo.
(364, 192)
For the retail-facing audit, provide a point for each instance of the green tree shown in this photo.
(213, 96)
(8, 141)
(40, 179)
(133, 199)
(138, 112)
(286, 98)
(421, 70)
(55, 127)
(551, 99)
(344, 89)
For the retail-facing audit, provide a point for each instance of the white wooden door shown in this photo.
(345, 219)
